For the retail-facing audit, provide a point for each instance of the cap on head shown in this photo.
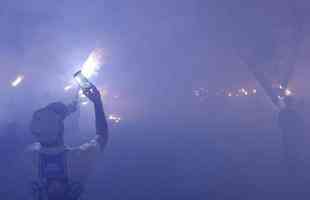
(59, 108)
(48, 123)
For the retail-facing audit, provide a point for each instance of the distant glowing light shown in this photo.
(230, 94)
(93, 63)
(254, 91)
(17, 81)
(288, 92)
(114, 118)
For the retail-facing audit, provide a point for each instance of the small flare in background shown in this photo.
(114, 118)
(19, 79)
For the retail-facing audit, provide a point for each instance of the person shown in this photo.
(59, 172)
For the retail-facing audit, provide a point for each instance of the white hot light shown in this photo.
(93, 63)
(288, 92)
(17, 81)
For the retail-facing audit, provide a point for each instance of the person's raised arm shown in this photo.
(101, 122)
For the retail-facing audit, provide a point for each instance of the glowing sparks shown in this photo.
(84, 103)
(17, 81)
(93, 63)
(115, 119)
(68, 87)
(203, 94)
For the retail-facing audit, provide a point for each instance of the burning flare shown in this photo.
(91, 66)
(93, 63)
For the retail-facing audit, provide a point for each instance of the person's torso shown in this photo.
(56, 175)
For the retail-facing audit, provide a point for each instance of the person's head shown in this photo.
(47, 124)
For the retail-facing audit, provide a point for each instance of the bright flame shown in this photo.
(17, 81)
(93, 63)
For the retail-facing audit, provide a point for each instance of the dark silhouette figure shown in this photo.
(292, 125)
(59, 172)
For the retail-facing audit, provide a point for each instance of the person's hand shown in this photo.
(92, 94)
